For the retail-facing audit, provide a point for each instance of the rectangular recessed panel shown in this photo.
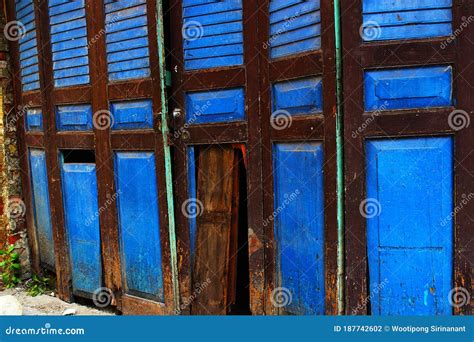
(69, 42)
(295, 27)
(34, 120)
(401, 19)
(409, 88)
(132, 114)
(41, 206)
(298, 97)
(215, 106)
(74, 118)
(409, 225)
(212, 33)
(127, 39)
(299, 225)
(27, 44)
(81, 210)
(137, 201)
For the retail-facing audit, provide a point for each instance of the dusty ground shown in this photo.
(49, 305)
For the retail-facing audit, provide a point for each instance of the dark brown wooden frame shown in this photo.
(246, 132)
(99, 93)
(358, 56)
(318, 128)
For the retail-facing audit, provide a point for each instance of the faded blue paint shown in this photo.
(74, 118)
(299, 225)
(410, 242)
(295, 27)
(34, 120)
(192, 194)
(401, 19)
(27, 45)
(212, 33)
(69, 42)
(137, 201)
(299, 97)
(409, 88)
(41, 206)
(215, 106)
(81, 211)
(132, 114)
(127, 39)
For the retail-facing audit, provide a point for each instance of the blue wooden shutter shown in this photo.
(25, 15)
(69, 42)
(295, 27)
(127, 39)
(212, 33)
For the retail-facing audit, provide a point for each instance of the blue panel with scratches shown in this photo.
(401, 19)
(127, 39)
(212, 33)
(74, 118)
(81, 210)
(69, 42)
(27, 44)
(34, 120)
(295, 27)
(41, 206)
(299, 225)
(192, 194)
(410, 234)
(137, 201)
(298, 97)
(215, 106)
(409, 88)
(132, 114)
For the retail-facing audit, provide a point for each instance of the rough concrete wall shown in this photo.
(12, 208)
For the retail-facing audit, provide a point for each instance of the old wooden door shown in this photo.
(94, 98)
(408, 151)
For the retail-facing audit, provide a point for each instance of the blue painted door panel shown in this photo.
(69, 42)
(409, 88)
(127, 39)
(295, 27)
(192, 195)
(42, 213)
(137, 200)
(402, 19)
(299, 225)
(132, 115)
(410, 235)
(298, 97)
(212, 33)
(34, 120)
(81, 210)
(27, 44)
(74, 118)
